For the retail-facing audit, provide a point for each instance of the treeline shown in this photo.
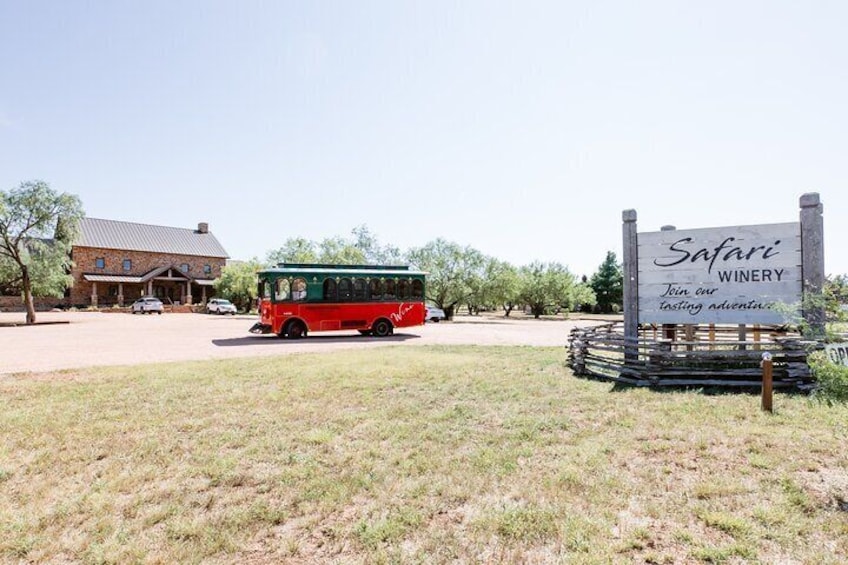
(458, 276)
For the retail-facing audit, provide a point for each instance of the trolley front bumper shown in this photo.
(260, 328)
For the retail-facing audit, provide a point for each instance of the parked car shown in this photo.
(434, 314)
(220, 306)
(148, 304)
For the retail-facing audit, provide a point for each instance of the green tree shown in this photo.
(339, 251)
(373, 251)
(836, 295)
(476, 280)
(608, 284)
(37, 227)
(584, 297)
(294, 250)
(238, 283)
(452, 272)
(502, 286)
(363, 248)
(547, 287)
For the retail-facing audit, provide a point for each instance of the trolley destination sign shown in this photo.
(727, 275)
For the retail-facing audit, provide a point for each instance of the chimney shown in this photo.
(202, 227)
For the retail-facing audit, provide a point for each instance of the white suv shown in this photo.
(434, 314)
(147, 304)
(220, 306)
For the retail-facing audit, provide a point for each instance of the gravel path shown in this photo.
(84, 339)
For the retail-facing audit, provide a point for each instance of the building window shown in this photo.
(207, 269)
(184, 267)
(127, 265)
(100, 263)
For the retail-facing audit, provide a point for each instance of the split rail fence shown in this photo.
(690, 355)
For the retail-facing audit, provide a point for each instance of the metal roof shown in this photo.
(152, 274)
(111, 278)
(112, 234)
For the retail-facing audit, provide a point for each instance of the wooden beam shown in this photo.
(812, 260)
(631, 284)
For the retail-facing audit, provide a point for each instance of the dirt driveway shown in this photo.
(92, 338)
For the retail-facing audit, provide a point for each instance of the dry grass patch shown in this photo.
(410, 455)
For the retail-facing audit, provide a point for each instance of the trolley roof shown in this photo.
(342, 270)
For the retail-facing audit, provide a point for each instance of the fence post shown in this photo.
(766, 364)
(631, 287)
(669, 330)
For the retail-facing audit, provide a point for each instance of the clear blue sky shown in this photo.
(522, 129)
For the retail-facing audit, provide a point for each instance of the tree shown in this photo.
(584, 297)
(294, 250)
(374, 253)
(451, 272)
(238, 283)
(338, 251)
(502, 285)
(547, 286)
(364, 248)
(37, 227)
(836, 286)
(608, 284)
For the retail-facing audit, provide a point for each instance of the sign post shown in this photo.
(812, 241)
(631, 287)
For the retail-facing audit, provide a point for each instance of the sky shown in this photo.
(521, 129)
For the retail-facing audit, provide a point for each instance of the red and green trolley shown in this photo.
(298, 298)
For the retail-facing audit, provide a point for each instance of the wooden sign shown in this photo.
(729, 275)
(837, 353)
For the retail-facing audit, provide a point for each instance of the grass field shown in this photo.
(411, 454)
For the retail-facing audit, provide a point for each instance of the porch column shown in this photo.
(203, 293)
(94, 294)
(188, 293)
(150, 287)
(120, 294)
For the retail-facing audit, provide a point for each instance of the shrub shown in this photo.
(831, 379)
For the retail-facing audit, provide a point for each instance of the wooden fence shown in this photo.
(677, 355)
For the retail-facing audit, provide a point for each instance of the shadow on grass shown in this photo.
(271, 340)
(711, 390)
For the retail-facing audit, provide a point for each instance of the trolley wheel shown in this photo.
(295, 329)
(381, 328)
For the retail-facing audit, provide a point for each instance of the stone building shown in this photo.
(117, 262)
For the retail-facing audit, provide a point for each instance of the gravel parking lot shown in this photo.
(84, 339)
